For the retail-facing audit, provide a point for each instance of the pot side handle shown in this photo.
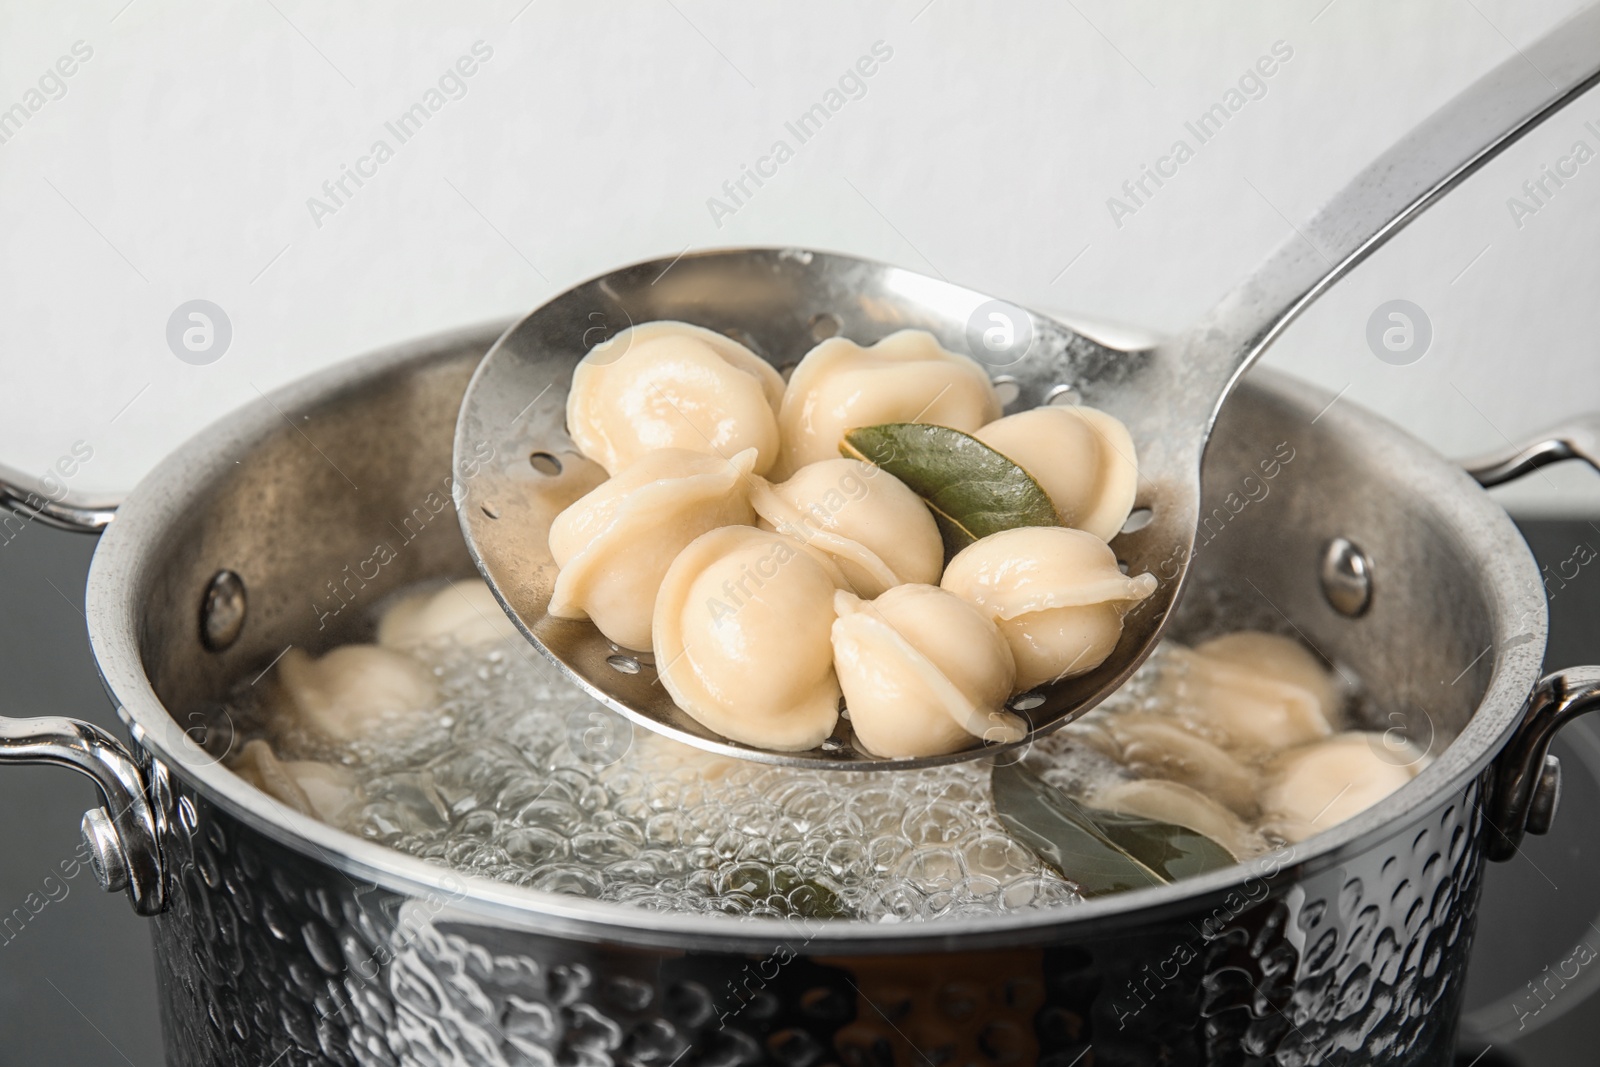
(1578, 439)
(1527, 779)
(120, 836)
(32, 500)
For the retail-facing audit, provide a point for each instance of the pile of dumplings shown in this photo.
(357, 692)
(774, 580)
(1242, 739)
(780, 585)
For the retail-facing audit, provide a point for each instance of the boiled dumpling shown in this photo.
(615, 544)
(923, 672)
(877, 531)
(673, 385)
(1170, 802)
(1154, 746)
(1309, 789)
(906, 377)
(742, 627)
(464, 611)
(1082, 458)
(353, 690)
(324, 791)
(1244, 708)
(1056, 595)
(1282, 658)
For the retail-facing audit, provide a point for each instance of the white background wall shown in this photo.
(179, 162)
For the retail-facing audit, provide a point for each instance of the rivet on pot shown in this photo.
(1346, 577)
(1546, 797)
(106, 857)
(222, 611)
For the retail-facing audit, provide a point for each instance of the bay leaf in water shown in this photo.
(1101, 851)
(1168, 849)
(972, 490)
(1060, 832)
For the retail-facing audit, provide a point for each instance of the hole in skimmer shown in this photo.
(824, 325)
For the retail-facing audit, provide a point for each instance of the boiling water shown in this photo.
(520, 777)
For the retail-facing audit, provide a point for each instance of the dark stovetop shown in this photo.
(77, 979)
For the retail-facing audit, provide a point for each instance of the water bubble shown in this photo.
(518, 789)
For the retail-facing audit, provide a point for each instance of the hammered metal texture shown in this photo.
(268, 956)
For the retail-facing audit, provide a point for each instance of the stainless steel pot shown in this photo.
(282, 940)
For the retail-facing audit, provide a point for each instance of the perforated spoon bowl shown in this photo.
(516, 466)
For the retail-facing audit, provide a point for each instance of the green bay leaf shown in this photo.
(1101, 851)
(972, 490)
(1060, 832)
(1170, 850)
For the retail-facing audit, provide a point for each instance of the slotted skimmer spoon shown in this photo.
(516, 466)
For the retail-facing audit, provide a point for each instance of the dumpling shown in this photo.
(923, 672)
(464, 611)
(1244, 709)
(353, 690)
(673, 385)
(1154, 746)
(1082, 458)
(906, 377)
(615, 544)
(324, 791)
(1309, 789)
(742, 638)
(1056, 595)
(1282, 658)
(1170, 802)
(878, 532)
